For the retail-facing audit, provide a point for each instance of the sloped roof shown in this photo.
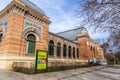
(33, 6)
(62, 37)
(72, 34)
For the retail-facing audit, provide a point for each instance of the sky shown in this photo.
(61, 13)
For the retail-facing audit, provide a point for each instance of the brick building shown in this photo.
(24, 28)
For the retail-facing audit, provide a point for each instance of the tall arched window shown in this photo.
(69, 51)
(91, 48)
(51, 48)
(58, 49)
(77, 53)
(1, 33)
(64, 50)
(73, 52)
(94, 52)
(30, 47)
(0, 37)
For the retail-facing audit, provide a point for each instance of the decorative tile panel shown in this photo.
(29, 23)
(3, 25)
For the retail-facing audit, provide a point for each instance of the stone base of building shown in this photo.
(53, 65)
(11, 62)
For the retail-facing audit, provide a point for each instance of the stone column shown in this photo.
(71, 52)
(55, 53)
(92, 53)
(96, 52)
(61, 53)
(75, 53)
(66, 52)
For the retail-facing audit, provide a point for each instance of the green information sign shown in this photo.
(41, 60)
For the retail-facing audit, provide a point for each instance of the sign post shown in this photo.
(41, 60)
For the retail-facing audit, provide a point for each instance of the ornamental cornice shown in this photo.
(26, 12)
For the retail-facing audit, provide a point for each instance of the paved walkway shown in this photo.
(91, 73)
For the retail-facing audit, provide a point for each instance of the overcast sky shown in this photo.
(61, 13)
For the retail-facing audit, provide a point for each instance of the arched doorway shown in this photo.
(30, 47)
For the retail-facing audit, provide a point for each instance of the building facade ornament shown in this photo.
(3, 27)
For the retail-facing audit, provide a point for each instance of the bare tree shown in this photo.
(102, 14)
(115, 39)
(104, 46)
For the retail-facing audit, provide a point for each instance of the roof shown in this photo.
(63, 38)
(33, 6)
(72, 34)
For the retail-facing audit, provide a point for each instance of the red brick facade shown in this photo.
(14, 42)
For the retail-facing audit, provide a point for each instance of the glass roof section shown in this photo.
(72, 34)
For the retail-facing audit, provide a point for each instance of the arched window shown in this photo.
(73, 52)
(64, 51)
(0, 33)
(30, 47)
(0, 37)
(58, 49)
(51, 48)
(77, 53)
(91, 48)
(94, 52)
(69, 51)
